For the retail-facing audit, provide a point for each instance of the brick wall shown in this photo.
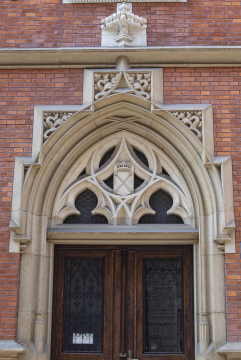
(222, 88)
(49, 23)
(20, 90)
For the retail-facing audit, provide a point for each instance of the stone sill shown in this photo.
(86, 57)
(232, 350)
(9, 349)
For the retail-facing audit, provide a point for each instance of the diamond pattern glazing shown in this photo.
(83, 305)
(85, 203)
(163, 306)
(161, 202)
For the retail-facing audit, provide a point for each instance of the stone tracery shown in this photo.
(123, 200)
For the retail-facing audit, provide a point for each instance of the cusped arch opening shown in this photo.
(160, 201)
(85, 203)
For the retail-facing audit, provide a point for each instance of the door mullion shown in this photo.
(117, 304)
(130, 301)
(124, 326)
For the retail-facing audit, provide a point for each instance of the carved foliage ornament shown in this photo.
(52, 121)
(138, 83)
(192, 119)
(123, 185)
(123, 21)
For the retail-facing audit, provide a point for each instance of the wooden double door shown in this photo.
(123, 302)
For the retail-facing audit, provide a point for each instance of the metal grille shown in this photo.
(85, 203)
(161, 202)
(163, 306)
(83, 305)
(107, 156)
(141, 156)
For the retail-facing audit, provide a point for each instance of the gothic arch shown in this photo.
(198, 182)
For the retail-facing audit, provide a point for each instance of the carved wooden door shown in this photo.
(116, 303)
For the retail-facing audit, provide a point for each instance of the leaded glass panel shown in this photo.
(85, 203)
(163, 306)
(83, 305)
(161, 202)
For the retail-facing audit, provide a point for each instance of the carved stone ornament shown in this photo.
(122, 200)
(52, 121)
(123, 28)
(192, 119)
(104, 82)
(138, 83)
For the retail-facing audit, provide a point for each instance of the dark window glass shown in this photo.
(164, 172)
(137, 181)
(141, 157)
(106, 156)
(163, 306)
(83, 305)
(85, 203)
(161, 202)
(110, 181)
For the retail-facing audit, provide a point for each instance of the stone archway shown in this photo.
(204, 183)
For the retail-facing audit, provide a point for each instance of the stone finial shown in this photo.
(123, 28)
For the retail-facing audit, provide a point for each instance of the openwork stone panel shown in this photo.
(104, 82)
(192, 119)
(138, 83)
(52, 121)
(123, 181)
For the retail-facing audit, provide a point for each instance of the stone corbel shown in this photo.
(223, 240)
(22, 240)
(123, 28)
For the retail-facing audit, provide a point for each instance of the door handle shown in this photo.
(129, 355)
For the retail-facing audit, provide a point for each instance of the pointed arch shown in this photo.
(196, 180)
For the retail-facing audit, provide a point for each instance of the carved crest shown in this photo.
(123, 178)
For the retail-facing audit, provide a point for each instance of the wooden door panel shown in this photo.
(124, 305)
(59, 349)
(185, 257)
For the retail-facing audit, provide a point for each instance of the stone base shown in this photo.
(9, 349)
